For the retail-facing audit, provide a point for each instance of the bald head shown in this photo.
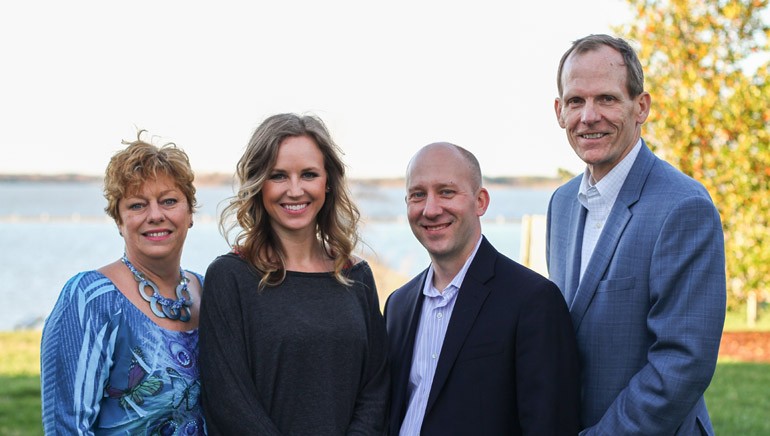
(441, 154)
(444, 205)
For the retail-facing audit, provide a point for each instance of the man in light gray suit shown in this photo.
(637, 249)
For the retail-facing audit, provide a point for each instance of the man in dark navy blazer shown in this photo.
(479, 344)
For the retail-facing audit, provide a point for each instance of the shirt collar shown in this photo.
(609, 186)
(430, 291)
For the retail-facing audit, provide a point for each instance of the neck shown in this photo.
(174, 307)
(307, 255)
(446, 268)
(598, 172)
(164, 273)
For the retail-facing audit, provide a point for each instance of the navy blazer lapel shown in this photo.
(613, 230)
(471, 296)
(415, 298)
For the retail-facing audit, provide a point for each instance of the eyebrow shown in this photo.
(441, 185)
(313, 168)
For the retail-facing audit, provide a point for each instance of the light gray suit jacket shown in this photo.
(649, 311)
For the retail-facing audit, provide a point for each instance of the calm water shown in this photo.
(50, 231)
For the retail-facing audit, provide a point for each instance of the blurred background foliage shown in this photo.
(706, 66)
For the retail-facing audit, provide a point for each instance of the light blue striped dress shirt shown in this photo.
(436, 313)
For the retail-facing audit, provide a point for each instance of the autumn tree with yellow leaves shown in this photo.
(707, 67)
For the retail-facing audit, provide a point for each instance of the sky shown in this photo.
(77, 77)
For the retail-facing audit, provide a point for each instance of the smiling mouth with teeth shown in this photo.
(295, 206)
(157, 234)
(432, 228)
(592, 135)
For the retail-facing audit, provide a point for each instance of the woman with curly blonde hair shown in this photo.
(292, 337)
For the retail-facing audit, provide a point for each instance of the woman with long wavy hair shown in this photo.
(292, 337)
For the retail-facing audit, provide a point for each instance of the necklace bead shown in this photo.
(161, 306)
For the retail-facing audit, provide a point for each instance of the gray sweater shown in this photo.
(307, 357)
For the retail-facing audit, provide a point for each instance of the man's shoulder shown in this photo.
(508, 268)
(567, 192)
(400, 300)
(506, 271)
(671, 184)
(570, 186)
(412, 285)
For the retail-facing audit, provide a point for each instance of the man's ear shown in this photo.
(643, 106)
(482, 201)
(557, 108)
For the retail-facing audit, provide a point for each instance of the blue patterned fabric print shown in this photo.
(106, 368)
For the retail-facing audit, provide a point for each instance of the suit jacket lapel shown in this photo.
(470, 298)
(415, 299)
(611, 234)
(575, 247)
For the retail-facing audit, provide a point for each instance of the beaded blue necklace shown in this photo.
(161, 306)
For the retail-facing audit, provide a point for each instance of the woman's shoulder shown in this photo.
(364, 286)
(227, 261)
(356, 268)
(360, 271)
(86, 294)
(358, 263)
(197, 275)
(229, 266)
(230, 257)
(90, 282)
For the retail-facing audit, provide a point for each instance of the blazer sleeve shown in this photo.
(688, 297)
(547, 369)
(230, 400)
(369, 416)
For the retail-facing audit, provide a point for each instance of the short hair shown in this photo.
(336, 222)
(475, 167)
(634, 73)
(141, 161)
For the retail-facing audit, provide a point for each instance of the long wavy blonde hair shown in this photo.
(245, 214)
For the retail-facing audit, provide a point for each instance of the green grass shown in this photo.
(20, 383)
(21, 353)
(737, 399)
(20, 405)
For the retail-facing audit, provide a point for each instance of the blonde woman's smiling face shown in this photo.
(295, 189)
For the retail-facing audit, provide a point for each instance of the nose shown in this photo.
(432, 207)
(295, 188)
(155, 212)
(589, 114)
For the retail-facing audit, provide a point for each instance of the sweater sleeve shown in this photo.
(229, 396)
(371, 402)
(76, 348)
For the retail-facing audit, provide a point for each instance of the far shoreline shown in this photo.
(222, 179)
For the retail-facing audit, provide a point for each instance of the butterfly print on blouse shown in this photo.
(184, 392)
(140, 386)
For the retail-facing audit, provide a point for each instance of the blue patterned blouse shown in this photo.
(106, 368)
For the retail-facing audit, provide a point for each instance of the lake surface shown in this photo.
(51, 231)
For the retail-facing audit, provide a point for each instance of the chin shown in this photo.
(437, 252)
